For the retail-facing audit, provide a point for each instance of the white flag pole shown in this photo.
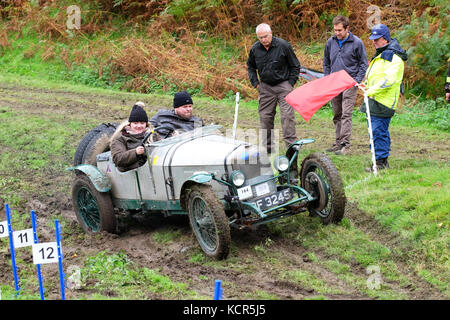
(372, 147)
(236, 115)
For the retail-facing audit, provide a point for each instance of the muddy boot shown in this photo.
(386, 163)
(381, 164)
(333, 148)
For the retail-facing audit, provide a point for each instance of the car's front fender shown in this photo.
(196, 178)
(101, 182)
(201, 177)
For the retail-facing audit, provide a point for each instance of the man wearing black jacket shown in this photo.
(179, 118)
(273, 69)
(344, 51)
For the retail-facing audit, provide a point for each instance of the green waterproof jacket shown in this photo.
(384, 78)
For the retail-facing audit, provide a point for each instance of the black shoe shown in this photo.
(381, 164)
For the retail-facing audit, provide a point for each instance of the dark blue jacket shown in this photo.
(351, 57)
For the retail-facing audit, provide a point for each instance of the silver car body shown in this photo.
(174, 162)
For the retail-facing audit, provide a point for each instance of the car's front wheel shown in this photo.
(94, 209)
(209, 222)
(321, 179)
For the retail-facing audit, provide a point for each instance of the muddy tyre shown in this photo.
(94, 210)
(108, 128)
(209, 222)
(320, 177)
(98, 144)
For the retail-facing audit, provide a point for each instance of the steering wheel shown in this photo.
(164, 130)
(160, 130)
(147, 135)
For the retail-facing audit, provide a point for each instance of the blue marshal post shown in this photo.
(62, 282)
(13, 251)
(218, 290)
(38, 266)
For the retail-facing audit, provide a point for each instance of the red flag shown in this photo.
(311, 96)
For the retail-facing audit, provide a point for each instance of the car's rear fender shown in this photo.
(101, 182)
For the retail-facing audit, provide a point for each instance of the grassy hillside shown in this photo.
(202, 46)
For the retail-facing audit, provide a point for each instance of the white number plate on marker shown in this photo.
(245, 192)
(262, 189)
(3, 229)
(45, 252)
(23, 238)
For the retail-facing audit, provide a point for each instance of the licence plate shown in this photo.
(272, 200)
(245, 193)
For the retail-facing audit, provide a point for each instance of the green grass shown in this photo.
(309, 281)
(166, 236)
(122, 279)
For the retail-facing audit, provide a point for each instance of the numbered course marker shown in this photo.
(23, 238)
(3, 229)
(45, 252)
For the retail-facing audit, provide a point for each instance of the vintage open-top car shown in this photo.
(216, 180)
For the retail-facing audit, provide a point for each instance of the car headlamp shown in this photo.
(281, 163)
(237, 178)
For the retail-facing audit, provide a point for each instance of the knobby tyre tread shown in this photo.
(219, 217)
(107, 218)
(336, 185)
(79, 152)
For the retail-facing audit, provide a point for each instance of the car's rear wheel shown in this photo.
(321, 179)
(209, 222)
(94, 209)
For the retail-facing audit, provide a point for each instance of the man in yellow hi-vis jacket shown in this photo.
(383, 84)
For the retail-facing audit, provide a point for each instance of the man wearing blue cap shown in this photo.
(383, 81)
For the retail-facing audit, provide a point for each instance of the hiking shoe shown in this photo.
(381, 164)
(343, 150)
(333, 148)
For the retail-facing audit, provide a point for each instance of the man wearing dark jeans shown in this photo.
(274, 61)
(344, 51)
(383, 83)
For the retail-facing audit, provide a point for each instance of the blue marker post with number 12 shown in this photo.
(38, 266)
(60, 258)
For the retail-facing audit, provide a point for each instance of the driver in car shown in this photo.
(126, 146)
(180, 118)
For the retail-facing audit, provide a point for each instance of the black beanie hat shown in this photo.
(138, 114)
(181, 98)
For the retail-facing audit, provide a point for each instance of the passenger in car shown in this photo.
(180, 117)
(127, 150)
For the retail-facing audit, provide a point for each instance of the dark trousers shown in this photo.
(381, 136)
(269, 97)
